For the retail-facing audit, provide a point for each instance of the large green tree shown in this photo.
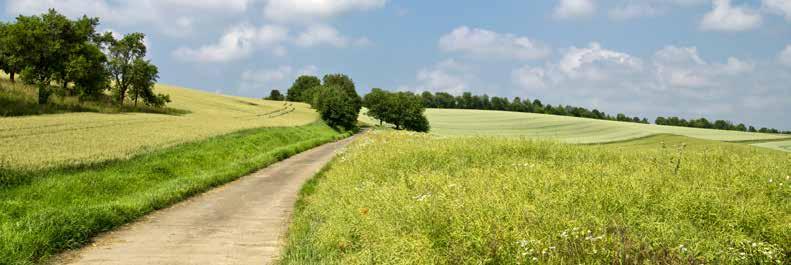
(10, 61)
(336, 107)
(300, 90)
(124, 53)
(345, 83)
(375, 102)
(141, 82)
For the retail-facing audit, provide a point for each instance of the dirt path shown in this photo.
(242, 222)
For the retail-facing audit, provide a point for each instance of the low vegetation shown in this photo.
(404, 198)
(51, 141)
(50, 210)
(451, 122)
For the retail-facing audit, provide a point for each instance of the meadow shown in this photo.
(47, 211)
(403, 198)
(70, 139)
(453, 122)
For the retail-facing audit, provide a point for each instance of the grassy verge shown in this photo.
(61, 209)
(398, 198)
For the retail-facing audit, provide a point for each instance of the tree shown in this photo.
(428, 99)
(299, 90)
(123, 55)
(375, 102)
(87, 68)
(345, 83)
(275, 95)
(143, 77)
(47, 42)
(10, 49)
(336, 107)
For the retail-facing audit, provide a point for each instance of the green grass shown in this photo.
(777, 145)
(56, 209)
(400, 198)
(451, 122)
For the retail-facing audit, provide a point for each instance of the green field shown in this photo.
(452, 122)
(46, 211)
(45, 141)
(401, 198)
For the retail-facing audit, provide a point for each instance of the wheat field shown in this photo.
(45, 141)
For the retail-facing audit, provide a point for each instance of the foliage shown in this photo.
(275, 95)
(63, 208)
(336, 107)
(718, 124)
(124, 54)
(299, 90)
(143, 77)
(402, 109)
(347, 85)
(403, 198)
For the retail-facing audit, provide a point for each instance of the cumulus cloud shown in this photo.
(320, 34)
(157, 12)
(633, 10)
(530, 77)
(236, 43)
(311, 10)
(785, 56)
(568, 9)
(482, 43)
(782, 7)
(596, 63)
(726, 17)
(449, 76)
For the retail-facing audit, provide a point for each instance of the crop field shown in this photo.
(46, 141)
(777, 145)
(403, 198)
(452, 122)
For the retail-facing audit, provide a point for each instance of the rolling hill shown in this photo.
(77, 138)
(454, 122)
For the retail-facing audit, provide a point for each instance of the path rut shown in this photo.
(242, 222)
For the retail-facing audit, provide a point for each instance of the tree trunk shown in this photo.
(66, 88)
(136, 101)
(13, 76)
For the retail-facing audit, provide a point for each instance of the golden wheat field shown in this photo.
(47, 141)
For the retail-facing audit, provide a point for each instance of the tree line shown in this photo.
(57, 54)
(335, 98)
(467, 100)
(718, 125)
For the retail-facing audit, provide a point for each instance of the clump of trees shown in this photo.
(275, 95)
(467, 100)
(404, 110)
(334, 97)
(718, 125)
(52, 49)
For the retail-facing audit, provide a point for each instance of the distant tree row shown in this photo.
(718, 125)
(467, 100)
(52, 49)
(334, 97)
(405, 110)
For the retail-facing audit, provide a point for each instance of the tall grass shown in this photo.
(62, 208)
(397, 198)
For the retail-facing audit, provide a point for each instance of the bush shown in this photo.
(336, 107)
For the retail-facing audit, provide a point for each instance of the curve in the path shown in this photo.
(242, 222)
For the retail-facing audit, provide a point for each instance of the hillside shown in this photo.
(79, 138)
(452, 122)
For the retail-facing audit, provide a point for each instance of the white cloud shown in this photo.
(448, 76)
(320, 34)
(595, 62)
(567, 9)
(725, 17)
(785, 56)
(160, 13)
(311, 10)
(483, 43)
(530, 77)
(238, 42)
(782, 7)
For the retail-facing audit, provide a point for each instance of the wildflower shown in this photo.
(770, 180)
(535, 259)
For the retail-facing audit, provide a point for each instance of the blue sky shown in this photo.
(722, 59)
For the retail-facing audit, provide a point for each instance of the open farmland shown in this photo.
(402, 198)
(33, 142)
(453, 122)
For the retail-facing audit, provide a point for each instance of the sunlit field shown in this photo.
(43, 141)
(568, 129)
(402, 198)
